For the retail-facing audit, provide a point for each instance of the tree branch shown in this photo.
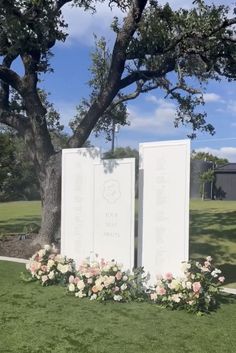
(11, 78)
(117, 66)
(147, 74)
(16, 121)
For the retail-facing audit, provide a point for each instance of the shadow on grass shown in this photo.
(226, 298)
(213, 223)
(214, 233)
(19, 225)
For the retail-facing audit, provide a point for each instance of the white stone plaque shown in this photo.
(77, 202)
(114, 182)
(164, 206)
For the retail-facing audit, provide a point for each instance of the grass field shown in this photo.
(16, 216)
(212, 229)
(36, 319)
(213, 232)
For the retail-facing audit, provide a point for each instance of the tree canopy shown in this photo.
(208, 157)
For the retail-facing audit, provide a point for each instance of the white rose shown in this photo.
(176, 298)
(80, 285)
(63, 268)
(44, 279)
(41, 252)
(174, 284)
(51, 275)
(123, 287)
(93, 297)
(71, 287)
(47, 247)
(117, 298)
(80, 294)
(50, 264)
(189, 285)
(59, 258)
(185, 266)
(125, 278)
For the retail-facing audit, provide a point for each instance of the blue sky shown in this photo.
(151, 116)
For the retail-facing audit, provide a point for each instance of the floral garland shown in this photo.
(196, 291)
(104, 281)
(49, 267)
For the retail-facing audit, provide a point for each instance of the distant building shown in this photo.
(197, 168)
(225, 182)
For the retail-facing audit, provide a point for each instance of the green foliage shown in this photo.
(116, 114)
(17, 174)
(208, 157)
(207, 176)
(193, 44)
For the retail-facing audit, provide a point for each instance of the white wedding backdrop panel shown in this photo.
(163, 206)
(97, 206)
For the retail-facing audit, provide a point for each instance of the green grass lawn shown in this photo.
(15, 217)
(212, 229)
(36, 319)
(213, 232)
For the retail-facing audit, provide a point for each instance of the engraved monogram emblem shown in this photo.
(111, 191)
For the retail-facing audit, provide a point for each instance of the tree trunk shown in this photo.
(51, 202)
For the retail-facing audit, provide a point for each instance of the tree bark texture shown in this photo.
(51, 202)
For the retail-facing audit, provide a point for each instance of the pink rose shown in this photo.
(118, 276)
(207, 264)
(76, 280)
(221, 279)
(94, 289)
(116, 289)
(160, 290)
(71, 279)
(153, 296)
(168, 276)
(196, 287)
(44, 268)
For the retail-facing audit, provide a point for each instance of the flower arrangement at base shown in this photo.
(196, 291)
(49, 267)
(102, 281)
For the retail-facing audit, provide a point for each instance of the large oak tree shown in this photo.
(155, 47)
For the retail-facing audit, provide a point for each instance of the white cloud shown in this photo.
(232, 106)
(159, 121)
(82, 25)
(223, 152)
(212, 97)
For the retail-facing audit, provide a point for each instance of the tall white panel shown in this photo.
(77, 202)
(114, 182)
(164, 206)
